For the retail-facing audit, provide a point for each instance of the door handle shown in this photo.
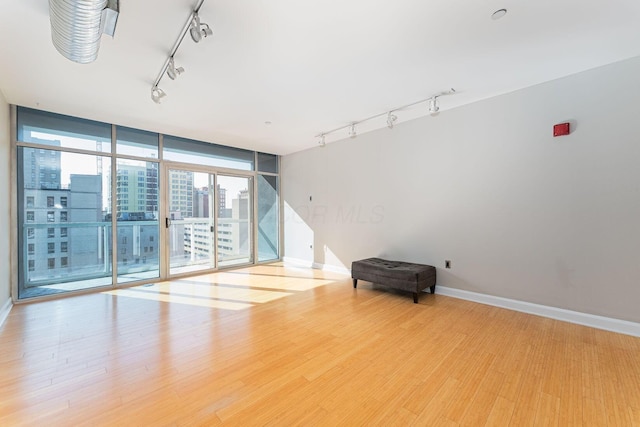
(167, 221)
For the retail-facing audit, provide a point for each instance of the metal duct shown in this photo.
(76, 28)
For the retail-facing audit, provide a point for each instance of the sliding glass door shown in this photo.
(190, 221)
(235, 220)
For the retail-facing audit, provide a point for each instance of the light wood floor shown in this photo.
(272, 345)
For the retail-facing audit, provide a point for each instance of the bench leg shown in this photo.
(415, 297)
(433, 289)
(355, 283)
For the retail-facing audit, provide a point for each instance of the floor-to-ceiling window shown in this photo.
(92, 211)
(63, 197)
(137, 202)
(268, 204)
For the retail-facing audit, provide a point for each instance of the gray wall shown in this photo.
(5, 282)
(522, 215)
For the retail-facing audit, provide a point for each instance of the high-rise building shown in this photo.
(137, 189)
(41, 168)
(201, 202)
(222, 197)
(240, 214)
(181, 192)
(232, 227)
(54, 247)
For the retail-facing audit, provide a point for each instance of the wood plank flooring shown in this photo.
(277, 345)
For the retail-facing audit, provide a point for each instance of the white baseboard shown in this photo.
(332, 268)
(591, 320)
(309, 264)
(4, 311)
(297, 262)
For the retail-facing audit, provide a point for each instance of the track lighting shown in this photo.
(199, 30)
(352, 131)
(434, 109)
(391, 118)
(172, 71)
(157, 94)
(322, 142)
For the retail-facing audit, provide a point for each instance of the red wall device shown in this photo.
(561, 129)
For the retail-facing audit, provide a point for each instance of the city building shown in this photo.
(181, 192)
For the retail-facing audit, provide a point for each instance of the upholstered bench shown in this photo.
(396, 274)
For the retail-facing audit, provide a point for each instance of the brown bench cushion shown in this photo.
(396, 274)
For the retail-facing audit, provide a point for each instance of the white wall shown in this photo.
(5, 282)
(522, 215)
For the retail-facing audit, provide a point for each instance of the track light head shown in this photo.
(195, 28)
(352, 131)
(199, 30)
(434, 109)
(206, 30)
(157, 94)
(322, 142)
(391, 118)
(172, 71)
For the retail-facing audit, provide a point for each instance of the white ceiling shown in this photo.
(306, 66)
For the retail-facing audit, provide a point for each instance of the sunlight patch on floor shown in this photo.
(200, 302)
(215, 291)
(281, 283)
(232, 290)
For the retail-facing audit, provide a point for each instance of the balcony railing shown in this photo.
(87, 251)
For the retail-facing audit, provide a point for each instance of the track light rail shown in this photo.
(351, 125)
(185, 29)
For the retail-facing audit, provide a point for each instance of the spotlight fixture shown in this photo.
(391, 118)
(172, 71)
(352, 131)
(199, 30)
(157, 94)
(322, 142)
(433, 106)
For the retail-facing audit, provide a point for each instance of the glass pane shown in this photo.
(204, 153)
(191, 221)
(134, 142)
(57, 130)
(65, 246)
(268, 227)
(234, 220)
(267, 163)
(137, 220)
